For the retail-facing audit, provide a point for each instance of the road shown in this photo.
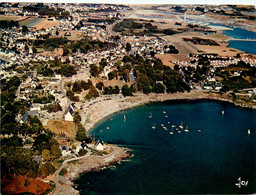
(107, 157)
(109, 28)
(56, 174)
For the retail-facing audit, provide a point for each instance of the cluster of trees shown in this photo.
(87, 44)
(128, 27)
(245, 80)
(78, 86)
(148, 72)
(93, 93)
(111, 90)
(7, 24)
(43, 99)
(51, 43)
(71, 95)
(54, 107)
(96, 70)
(16, 160)
(81, 134)
(172, 49)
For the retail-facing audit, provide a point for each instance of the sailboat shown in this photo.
(150, 116)
(154, 126)
(181, 125)
(249, 131)
(187, 130)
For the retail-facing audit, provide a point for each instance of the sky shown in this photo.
(247, 2)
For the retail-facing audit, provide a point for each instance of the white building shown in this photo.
(99, 145)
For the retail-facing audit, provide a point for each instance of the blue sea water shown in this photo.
(247, 46)
(182, 163)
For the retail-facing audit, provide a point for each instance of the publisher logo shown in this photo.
(241, 183)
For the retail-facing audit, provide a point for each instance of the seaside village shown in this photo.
(60, 61)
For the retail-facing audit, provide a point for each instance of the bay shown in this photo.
(210, 161)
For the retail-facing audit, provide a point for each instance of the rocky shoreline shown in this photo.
(88, 164)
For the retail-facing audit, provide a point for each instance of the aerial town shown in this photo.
(65, 67)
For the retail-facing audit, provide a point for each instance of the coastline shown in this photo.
(75, 167)
(102, 110)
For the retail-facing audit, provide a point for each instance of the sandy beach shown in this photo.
(102, 109)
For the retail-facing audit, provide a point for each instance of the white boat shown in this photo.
(187, 130)
(222, 112)
(162, 124)
(168, 122)
(166, 116)
(173, 125)
(249, 131)
(124, 117)
(164, 112)
(179, 131)
(199, 131)
(150, 116)
(107, 127)
(181, 125)
(154, 126)
(171, 132)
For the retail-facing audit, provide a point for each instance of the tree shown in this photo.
(93, 93)
(128, 47)
(81, 133)
(99, 85)
(94, 70)
(77, 87)
(55, 152)
(77, 118)
(34, 49)
(46, 154)
(159, 88)
(116, 90)
(126, 91)
(65, 51)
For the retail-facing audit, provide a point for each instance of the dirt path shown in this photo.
(86, 163)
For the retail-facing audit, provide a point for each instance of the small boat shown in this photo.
(165, 128)
(164, 112)
(187, 130)
(124, 118)
(173, 125)
(168, 122)
(162, 124)
(166, 116)
(150, 116)
(179, 131)
(222, 112)
(181, 125)
(111, 119)
(171, 132)
(249, 131)
(199, 131)
(154, 126)
(101, 130)
(107, 127)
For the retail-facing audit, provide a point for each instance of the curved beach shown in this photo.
(103, 109)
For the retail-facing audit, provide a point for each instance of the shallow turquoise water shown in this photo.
(185, 163)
